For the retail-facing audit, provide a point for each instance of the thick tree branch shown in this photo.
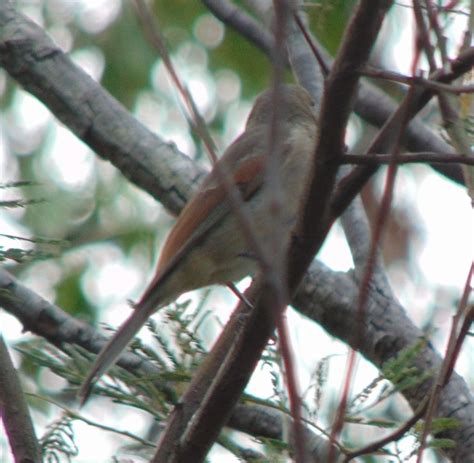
(326, 297)
(243, 23)
(35, 62)
(14, 412)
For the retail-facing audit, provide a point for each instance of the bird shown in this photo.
(206, 245)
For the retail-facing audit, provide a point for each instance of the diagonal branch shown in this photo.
(92, 114)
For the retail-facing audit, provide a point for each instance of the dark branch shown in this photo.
(410, 80)
(407, 158)
(15, 413)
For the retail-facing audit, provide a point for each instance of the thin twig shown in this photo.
(155, 37)
(407, 158)
(325, 68)
(78, 417)
(392, 437)
(276, 275)
(456, 337)
(410, 80)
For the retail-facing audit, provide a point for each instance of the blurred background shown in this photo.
(95, 236)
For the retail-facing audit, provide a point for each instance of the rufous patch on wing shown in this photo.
(246, 177)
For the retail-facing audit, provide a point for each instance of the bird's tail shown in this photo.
(112, 350)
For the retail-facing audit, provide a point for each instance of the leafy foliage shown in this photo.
(58, 441)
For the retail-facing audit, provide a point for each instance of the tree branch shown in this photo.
(411, 80)
(408, 158)
(98, 119)
(15, 413)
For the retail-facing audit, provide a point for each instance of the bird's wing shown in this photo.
(211, 204)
